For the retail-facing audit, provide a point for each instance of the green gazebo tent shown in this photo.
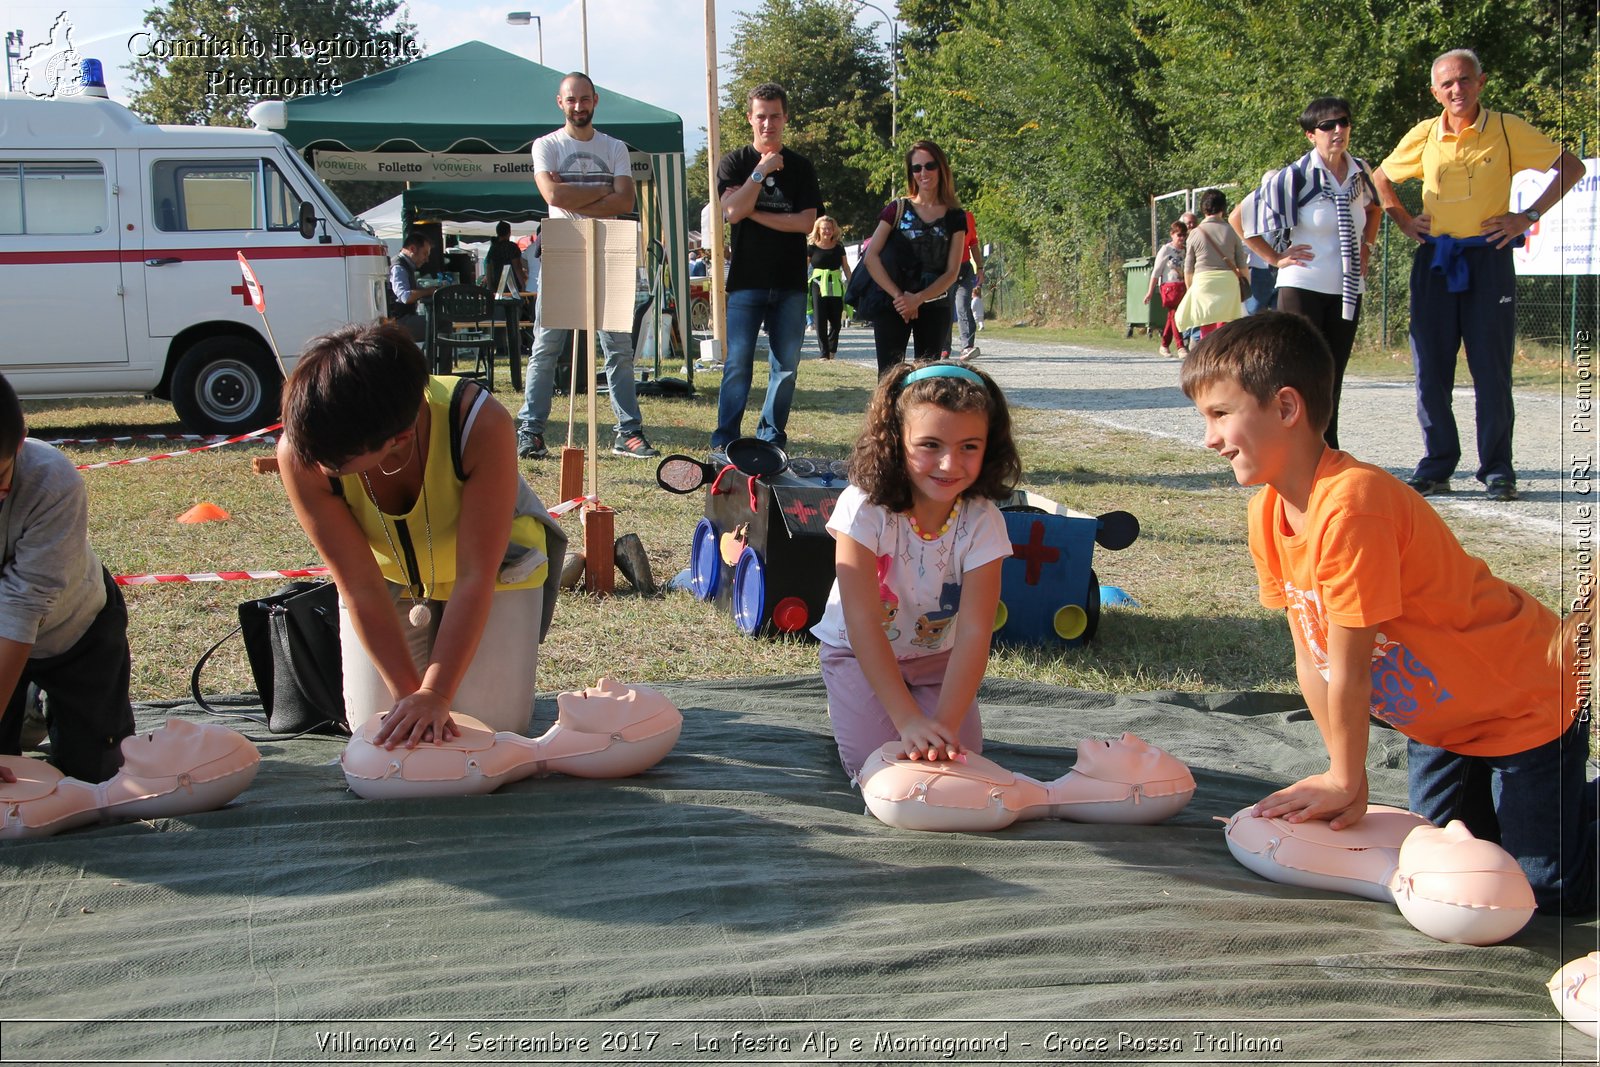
(475, 101)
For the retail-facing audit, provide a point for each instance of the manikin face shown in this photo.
(1457, 86)
(1251, 436)
(767, 119)
(944, 451)
(576, 98)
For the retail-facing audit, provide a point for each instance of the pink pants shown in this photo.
(861, 726)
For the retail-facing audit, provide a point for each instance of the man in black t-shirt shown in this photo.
(769, 194)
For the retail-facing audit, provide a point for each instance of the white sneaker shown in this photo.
(1165, 351)
(971, 353)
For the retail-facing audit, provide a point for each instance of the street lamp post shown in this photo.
(522, 18)
(894, 70)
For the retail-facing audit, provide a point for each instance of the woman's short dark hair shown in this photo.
(1323, 108)
(878, 463)
(352, 390)
(13, 427)
(1213, 202)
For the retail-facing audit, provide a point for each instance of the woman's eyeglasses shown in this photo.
(1329, 125)
(918, 168)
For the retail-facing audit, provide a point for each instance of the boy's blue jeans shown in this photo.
(783, 312)
(1535, 804)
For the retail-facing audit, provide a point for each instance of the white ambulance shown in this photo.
(119, 266)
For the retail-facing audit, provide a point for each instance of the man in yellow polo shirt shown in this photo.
(1463, 287)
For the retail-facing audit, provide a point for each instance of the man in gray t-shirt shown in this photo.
(582, 174)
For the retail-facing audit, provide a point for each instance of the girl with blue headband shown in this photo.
(919, 541)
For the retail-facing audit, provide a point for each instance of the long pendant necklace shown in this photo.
(420, 614)
(916, 529)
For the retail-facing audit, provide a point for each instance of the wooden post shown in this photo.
(599, 549)
(711, 240)
(592, 262)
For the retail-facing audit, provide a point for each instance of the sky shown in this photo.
(652, 50)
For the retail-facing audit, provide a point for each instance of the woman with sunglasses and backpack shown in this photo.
(1315, 220)
(915, 256)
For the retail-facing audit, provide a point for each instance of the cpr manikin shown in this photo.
(182, 768)
(609, 731)
(1447, 883)
(1121, 781)
(1575, 989)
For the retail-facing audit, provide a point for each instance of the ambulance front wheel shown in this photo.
(226, 385)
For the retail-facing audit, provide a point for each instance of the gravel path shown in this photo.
(1377, 421)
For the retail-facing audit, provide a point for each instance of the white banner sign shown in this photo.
(441, 167)
(1566, 239)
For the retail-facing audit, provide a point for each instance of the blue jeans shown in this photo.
(783, 311)
(547, 345)
(966, 281)
(1484, 321)
(1535, 804)
(1263, 290)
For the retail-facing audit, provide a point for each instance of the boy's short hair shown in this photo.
(769, 91)
(1263, 353)
(351, 391)
(13, 427)
(1323, 108)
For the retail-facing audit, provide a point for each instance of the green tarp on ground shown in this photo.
(734, 903)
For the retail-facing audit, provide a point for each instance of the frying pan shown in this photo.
(683, 474)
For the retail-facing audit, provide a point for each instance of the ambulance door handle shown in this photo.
(162, 262)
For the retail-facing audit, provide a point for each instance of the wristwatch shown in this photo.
(1532, 213)
(756, 176)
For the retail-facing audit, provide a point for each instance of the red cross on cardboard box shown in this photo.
(1035, 554)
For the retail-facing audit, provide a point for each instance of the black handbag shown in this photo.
(863, 291)
(291, 640)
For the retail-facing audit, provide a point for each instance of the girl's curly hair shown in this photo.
(878, 462)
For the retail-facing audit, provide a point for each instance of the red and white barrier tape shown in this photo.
(252, 435)
(567, 505)
(208, 437)
(218, 576)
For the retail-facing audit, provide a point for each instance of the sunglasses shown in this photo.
(1329, 125)
(918, 168)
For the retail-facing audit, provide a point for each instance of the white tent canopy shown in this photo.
(385, 220)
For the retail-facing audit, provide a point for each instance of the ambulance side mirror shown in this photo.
(308, 220)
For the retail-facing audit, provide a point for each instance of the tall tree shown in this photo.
(207, 61)
(837, 79)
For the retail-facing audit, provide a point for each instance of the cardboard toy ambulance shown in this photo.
(763, 553)
(119, 268)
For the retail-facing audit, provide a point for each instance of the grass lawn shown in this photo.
(1199, 626)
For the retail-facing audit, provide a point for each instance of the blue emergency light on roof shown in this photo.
(92, 77)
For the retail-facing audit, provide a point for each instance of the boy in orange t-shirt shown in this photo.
(1392, 618)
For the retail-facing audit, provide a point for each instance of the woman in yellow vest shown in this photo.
(830, 273)
(408, 487)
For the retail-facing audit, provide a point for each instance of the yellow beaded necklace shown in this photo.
(912, 515)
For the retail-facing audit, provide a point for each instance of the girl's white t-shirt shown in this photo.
(919, 582)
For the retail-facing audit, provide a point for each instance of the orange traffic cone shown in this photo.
(205, 511)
